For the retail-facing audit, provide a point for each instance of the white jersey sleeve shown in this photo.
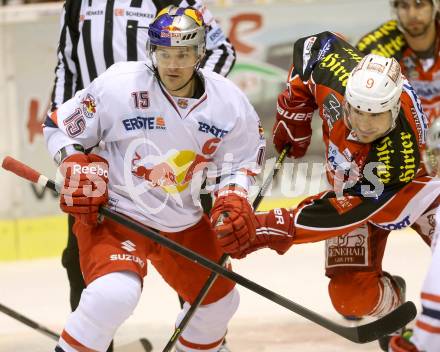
(79, 120)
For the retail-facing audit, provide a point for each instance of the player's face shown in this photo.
(369, 126)
(415, 16)
(175, 65)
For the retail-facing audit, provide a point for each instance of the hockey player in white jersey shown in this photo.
(426, 334)
(161, 127)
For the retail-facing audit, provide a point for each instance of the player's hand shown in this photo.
(85, 186)
(292, 126)
(274, 231)
(233, 220)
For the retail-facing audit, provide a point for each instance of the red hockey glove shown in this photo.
(233, 219)
(400, 344)
(85, 186)
(292, 126)
(274, 230)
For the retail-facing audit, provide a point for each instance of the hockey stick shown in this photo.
(32, 324)
(224, 258)
(385, 325)
(51, 334)
(276, 168)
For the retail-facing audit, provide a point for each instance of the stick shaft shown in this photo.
(272, 175)
(32, 324)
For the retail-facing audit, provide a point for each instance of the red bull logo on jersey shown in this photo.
(158, 175)
(144, 123)
(174, 173)
(89, 106)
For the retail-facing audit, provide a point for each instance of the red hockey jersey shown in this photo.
(383, 182)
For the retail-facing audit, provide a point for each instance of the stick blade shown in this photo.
(386, 325)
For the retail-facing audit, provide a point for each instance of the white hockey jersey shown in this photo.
(160, 147)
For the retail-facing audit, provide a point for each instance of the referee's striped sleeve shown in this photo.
(66, 74)
(220, 53)
(220, 59)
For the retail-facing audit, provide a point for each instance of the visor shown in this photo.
(174, 57)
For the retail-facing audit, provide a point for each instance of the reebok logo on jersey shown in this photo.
(144, 123)
(128, 246)
(215, 131)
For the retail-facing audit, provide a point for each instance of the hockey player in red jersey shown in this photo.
(373, 128)
(412, 39)
(158, 129)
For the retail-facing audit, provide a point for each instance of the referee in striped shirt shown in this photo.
(94, 35)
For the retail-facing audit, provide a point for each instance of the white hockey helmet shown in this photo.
(431, 155)
(375, 85)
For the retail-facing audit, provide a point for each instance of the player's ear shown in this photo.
(346, 110)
